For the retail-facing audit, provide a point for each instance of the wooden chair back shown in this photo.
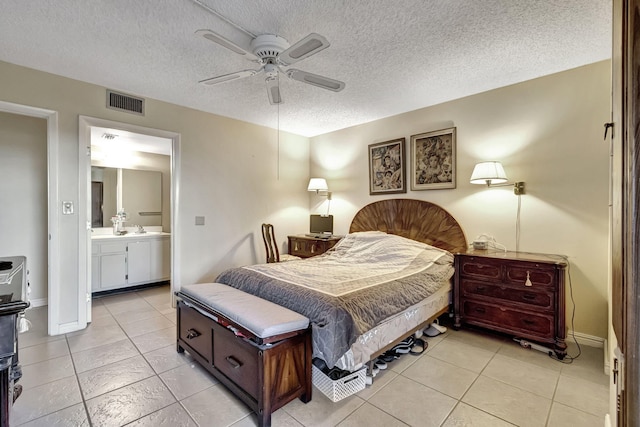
(270, 243)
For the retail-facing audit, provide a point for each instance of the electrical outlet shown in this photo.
(480, 244)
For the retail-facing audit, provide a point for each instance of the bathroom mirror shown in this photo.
(138, 192)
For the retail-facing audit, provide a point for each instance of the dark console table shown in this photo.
(13, 287)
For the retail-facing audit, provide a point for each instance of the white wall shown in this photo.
(23, 196)
(547, 132)
(229, 174)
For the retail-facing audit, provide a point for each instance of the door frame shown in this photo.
(625, 242)
(53, 246)
(85, 124)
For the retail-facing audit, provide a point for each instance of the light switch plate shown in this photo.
(199, 220)
(67, 208)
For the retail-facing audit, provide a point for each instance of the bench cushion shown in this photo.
(261, 317)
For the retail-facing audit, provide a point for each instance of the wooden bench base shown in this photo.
(264, 375)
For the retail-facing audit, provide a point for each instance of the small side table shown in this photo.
(307, 246)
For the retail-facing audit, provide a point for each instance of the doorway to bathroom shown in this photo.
(130, 189)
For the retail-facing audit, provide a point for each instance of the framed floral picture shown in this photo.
(387, 167)
(433, 160)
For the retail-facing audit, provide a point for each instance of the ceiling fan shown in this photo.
(273, 53)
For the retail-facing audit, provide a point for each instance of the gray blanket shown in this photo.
(337, 321)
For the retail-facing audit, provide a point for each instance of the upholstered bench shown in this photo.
(257, 349)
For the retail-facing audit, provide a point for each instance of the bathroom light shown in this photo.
(492, 173)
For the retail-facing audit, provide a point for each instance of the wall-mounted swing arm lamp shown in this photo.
(492, 174)
(318, 185)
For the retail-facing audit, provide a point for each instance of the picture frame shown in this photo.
(433, 160)
(387, 167)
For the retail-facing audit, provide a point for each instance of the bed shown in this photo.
(393, 270)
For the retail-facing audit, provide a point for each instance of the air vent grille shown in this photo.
(122, 102)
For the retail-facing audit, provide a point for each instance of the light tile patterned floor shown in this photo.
(124, 370)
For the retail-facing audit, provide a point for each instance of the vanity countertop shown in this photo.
(106, 233)
(130, 236)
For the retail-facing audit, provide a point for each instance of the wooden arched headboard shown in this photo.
(414, 219)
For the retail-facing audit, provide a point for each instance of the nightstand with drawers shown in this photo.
(306, 246)
(520, 294)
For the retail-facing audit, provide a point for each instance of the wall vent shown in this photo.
(122, 102)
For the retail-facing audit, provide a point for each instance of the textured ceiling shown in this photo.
(394, 55)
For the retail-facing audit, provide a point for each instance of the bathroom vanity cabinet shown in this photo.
(130, 260)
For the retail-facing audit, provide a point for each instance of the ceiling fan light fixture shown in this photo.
(273, 53)
(268, 46)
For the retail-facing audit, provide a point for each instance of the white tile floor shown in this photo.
(124, 370)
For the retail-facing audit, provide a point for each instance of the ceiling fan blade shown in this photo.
(306, 47)
(316, 80)
(217, 38)
(273, 90)
(228, 77)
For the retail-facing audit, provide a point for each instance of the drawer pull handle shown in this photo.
(192, 333)
(528, 281)
(233, 362)
(480, 288)
(529, 297)
(480, 309)
(528, 322)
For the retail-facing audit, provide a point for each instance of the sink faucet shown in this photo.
(141, 229)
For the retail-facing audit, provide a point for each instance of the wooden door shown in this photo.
(625, 197)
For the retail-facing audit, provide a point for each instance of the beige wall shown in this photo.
(547, 132)
(23, 195)
(229, 174)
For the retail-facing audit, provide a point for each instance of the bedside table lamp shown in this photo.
(492, 173)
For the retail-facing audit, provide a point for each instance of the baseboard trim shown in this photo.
(38, 302)
(591, 341)
(584, 339)
(65, 328)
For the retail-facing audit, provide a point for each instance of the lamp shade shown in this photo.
(318, 184)
(488, 173)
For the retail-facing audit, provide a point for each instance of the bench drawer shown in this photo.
(195, 330)
(236, 359)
